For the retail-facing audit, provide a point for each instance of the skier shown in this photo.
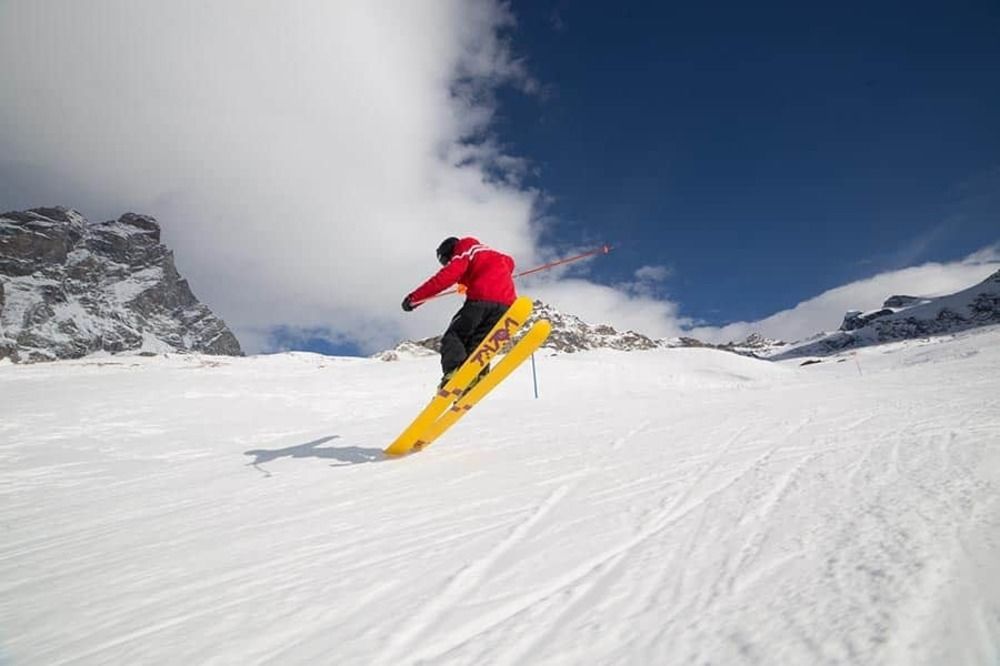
(486, 276)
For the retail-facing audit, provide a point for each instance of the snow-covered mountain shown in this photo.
(69, 288)
(909, 317)
(409, 350)
(754, 345)
(900, 318)
(569, 334)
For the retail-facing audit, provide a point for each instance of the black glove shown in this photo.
(408, 304)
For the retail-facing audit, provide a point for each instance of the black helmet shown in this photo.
(446, 249)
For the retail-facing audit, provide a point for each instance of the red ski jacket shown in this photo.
(486, 273)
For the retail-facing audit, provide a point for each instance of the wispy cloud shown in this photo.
(557, 21)
(825, 311)
(648, 282)
(625, 309)
(987, 256)
(653, 273)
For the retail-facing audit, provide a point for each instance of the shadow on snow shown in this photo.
(345, 455)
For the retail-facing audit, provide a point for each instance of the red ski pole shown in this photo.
(604, 249)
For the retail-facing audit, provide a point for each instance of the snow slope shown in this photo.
(673, 506)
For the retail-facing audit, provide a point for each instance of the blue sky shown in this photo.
(759, 167)
(764, 151)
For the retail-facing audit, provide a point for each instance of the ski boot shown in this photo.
(478, 378)
(445, 378)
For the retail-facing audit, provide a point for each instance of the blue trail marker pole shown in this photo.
(534, 375)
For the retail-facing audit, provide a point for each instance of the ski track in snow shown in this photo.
(466, 580)
(621, 441)
(720, 510)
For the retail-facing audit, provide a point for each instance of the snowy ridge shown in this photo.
(668, 506)
(569, 334)
(754, 345)
(409, 350)
(900, 318)
(908, 317)
(69, 288)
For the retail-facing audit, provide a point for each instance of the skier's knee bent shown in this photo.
(468, 328)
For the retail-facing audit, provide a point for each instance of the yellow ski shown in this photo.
(524, 348)
(495, 340)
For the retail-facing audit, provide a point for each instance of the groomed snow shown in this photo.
(676, 506)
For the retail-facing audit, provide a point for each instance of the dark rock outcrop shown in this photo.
(897, 302)
(70, 288)
(855, 319)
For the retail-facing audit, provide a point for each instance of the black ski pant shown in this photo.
(467, 329)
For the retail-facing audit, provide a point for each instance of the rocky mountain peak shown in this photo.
(569, 334)
(755, 345)
(572, 334)
(69, 288)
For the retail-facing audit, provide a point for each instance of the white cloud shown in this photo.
(598, 304)
(988, 255)
(304, 158)
(653, 273)
(826, 311)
